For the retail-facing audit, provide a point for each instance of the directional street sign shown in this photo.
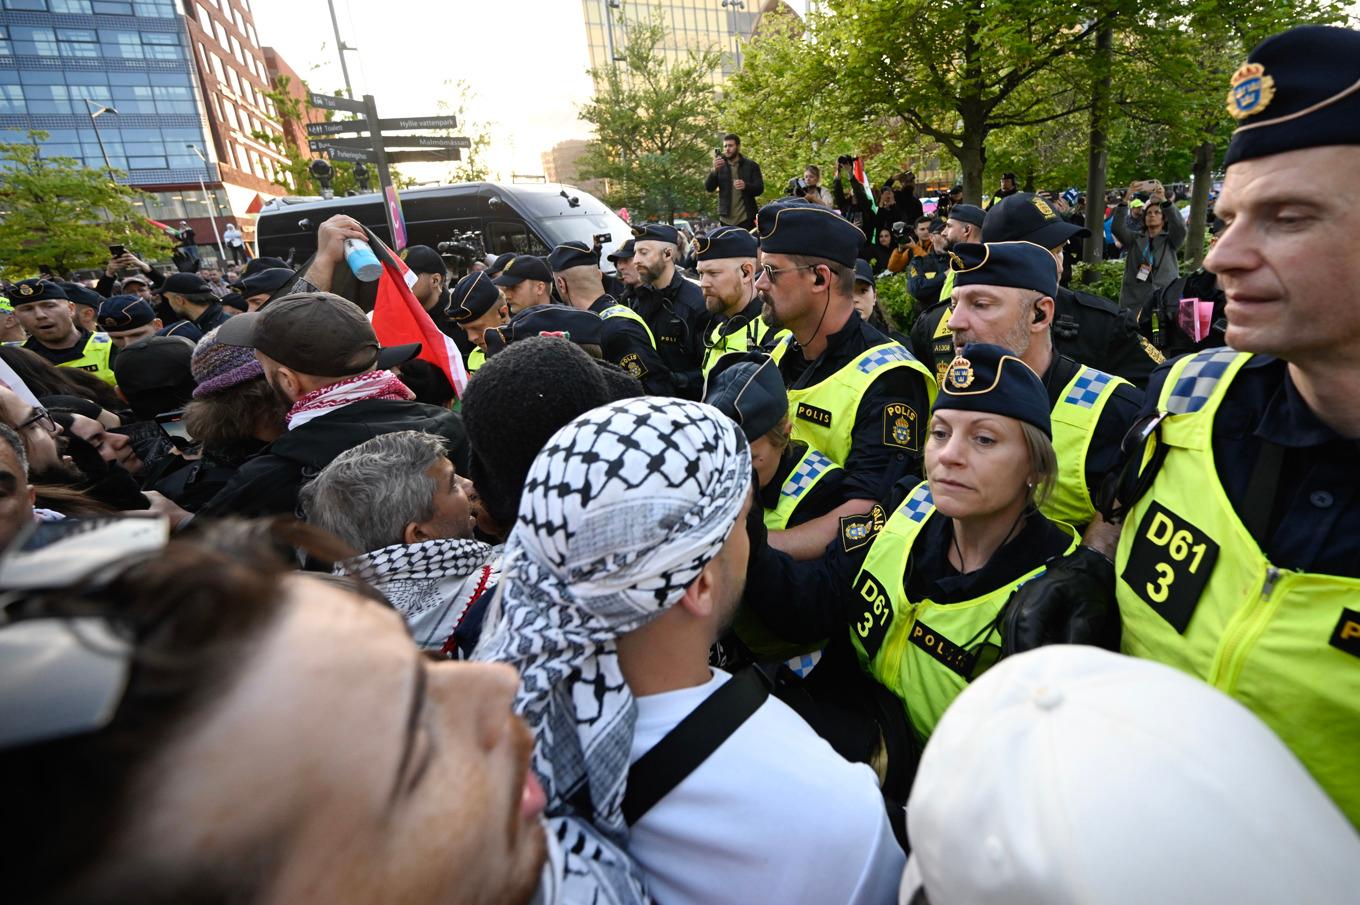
(351, 154)
(419, 122)
(331, 102)
(357, 125)
(326, 144)
(424, 141)
(428, 156)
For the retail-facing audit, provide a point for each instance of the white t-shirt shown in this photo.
(774, 815)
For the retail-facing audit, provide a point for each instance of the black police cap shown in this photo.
(572, 254)
(624, 252)
(968, 213)
(472, 296)
(808, 229)
(524, 267)
(82, 295)
(500, 263)
(1025, 217)
(725, 242)
(748, 388)
(265, 281)
(656, 232)
(988, 378)
(125, 312)
(580, 327)
(255, 265)
(864, 273)
(37, 290)
(183, 330)
(234, 300)
(423, 259)
(1298, 89)
(185, 284)
(1022, 265)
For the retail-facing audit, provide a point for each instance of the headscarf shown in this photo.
(621, 511)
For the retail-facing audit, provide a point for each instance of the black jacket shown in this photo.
(680, 322)
(720, 180)
(269, 483)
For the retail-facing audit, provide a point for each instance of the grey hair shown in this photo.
(369, 494)
(16, 443)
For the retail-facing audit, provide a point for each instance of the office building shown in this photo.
(561, 164)
(184, 80)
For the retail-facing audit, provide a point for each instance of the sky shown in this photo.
(525, 60)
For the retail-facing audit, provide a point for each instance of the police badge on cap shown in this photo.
(960, 373)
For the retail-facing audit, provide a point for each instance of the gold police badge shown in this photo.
(1251, 92)
(26, 289)
(1043, 207)
(960, 373)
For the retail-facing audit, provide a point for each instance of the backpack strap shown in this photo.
(692, 741)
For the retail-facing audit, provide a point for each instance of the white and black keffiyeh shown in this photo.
(621, 511)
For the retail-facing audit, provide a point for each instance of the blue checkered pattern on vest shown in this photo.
(807, 471)
(803, 664)
(919, 503)
(1086, 391)
(884, 355)
(1197, 381)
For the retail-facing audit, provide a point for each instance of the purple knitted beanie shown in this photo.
(217, 366)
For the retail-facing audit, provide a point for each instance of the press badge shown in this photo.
(1144, 272)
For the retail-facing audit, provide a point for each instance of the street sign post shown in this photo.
(353, 155)
(334, 128)
(331, 102)
(418, 122)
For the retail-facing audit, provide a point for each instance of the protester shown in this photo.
(154, 375)
(213, 277)
(319, 353)
(46, 379)
(1151, 254)
(738, 182)
(1047, 794)
(236, 243)
(16, 494)
(610, 630)
(128, 273)
(398, 498)
(208, 670)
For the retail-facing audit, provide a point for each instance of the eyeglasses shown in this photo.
(40, 417)
(770, 270)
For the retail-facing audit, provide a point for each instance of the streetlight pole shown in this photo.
(89, 108)
(341, 47)
(212, 205)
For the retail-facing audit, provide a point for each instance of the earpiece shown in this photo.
(1038, 315)
(817, 278)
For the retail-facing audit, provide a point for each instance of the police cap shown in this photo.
(185, 284)
(864, 273)
(747, 387)
(264, 281)
(572, 254)
(82, 295)
(1025, 217)
(37, 290)
(725, 242)
(255, 265)
(581, 327)
(988, 378)
(657, 232)
(808, 229)
(624, 252)
(968, 213)
(1298, 89)
(125, 312)
(1023, 265)
(183, 330)
(472, 296)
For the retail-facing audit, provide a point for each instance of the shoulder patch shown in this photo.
(858, 530)
(900, 427)
(633, 365)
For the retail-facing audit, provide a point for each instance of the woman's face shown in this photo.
(1152, 216)
(977, 463)
(885, 237)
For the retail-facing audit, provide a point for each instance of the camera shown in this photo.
(463, 247)
(899, 230)
(600, 239)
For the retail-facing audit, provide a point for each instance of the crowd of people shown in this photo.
(709, 585)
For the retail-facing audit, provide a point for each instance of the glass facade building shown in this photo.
(700, 25)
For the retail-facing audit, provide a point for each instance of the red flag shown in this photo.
(398, 318)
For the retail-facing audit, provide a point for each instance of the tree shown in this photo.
(473, 167)
(58, 215)
(654, 121)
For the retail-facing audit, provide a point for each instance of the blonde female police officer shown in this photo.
(921, 581)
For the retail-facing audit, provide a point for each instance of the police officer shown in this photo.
(726, 260)
(127, 319)
(921, 580)
(525, 283)
(854, 394)
(627, 340)
(672, 306)
(583, 328)
(476, 305)
(622, 259)
(48, 317)
(1004, 294)
(1087, 328)
(190, 296)
(1236, 543)
(86, 302)
(930, 338)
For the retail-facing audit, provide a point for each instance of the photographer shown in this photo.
(123, 266)
(1152, 259)
(854, 207)
(810, 187)
(910, 245)
(738, 182)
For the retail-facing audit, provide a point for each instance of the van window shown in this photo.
(502, 236)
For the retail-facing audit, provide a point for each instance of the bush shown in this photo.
(1104, 278)
(896, 302)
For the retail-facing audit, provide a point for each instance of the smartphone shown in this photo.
(117, 251)
(717, 152)
(601, 238)
(173, 424)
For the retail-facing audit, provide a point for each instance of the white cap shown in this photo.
(1073, 775)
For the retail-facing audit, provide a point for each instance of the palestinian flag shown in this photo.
(398, 318)
(863, 181)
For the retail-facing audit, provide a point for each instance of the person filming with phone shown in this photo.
(738, 182)
(1152, 258)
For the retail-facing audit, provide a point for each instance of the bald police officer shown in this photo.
(625, 338)
(855, 394)
(726, 261)
(1236, 548)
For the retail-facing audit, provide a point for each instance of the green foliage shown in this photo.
(58, 214)
(654, 121)
(1103, 278)
(896, 302)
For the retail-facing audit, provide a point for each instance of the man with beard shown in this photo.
(672, 307)
(321, 357)
(48, 317)
(726, 260)
(189, 296)
(625, 338)
(854, 393)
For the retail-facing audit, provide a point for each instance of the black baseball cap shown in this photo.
(524, 267)
(184, 284)
(316, 333)
(264, 281)
(155, 363)
(1025, 217)
(424, 259)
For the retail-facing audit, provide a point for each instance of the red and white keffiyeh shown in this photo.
(370, 385)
